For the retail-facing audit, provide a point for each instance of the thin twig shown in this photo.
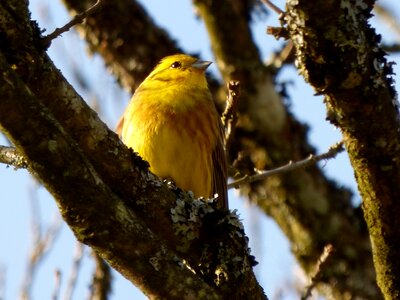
(230, 116)
(318, 268)
(3, 276)
(312, 159)
(391, 48)
(101, 282)
(76, 20)
(42, 244)
(273, 6)
(388, 17)
(281, 31)
(284, 56)
(10, 156)
(73, 278)
(57, 285)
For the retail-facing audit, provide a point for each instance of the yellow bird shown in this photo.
(172, 122)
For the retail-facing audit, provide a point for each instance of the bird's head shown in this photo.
(180, 68)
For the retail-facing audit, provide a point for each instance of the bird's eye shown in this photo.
(176, 65)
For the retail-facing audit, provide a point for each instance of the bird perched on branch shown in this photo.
(172, 122)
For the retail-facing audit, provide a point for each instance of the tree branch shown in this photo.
(10, 156)
(318, 271)
(291, 166)
(79, 18)
(230, 115)
(362, 102)
(42, 242)
(76, 264)
(57, 285)
(387, 16)
(101, 280)
(273, 7)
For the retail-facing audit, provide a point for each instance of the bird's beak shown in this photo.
(201, 65)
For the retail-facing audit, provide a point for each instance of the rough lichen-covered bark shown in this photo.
(93, 177)
(339, 55)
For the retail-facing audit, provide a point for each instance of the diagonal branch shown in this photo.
(101, 279)
(230, 115)
(388, 17)
(318, 271)
(76, 266)
(79, 18)
(291, 166)
(42, 243)
(10, 156)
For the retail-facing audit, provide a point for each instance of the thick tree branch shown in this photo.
(93, 176)
(355, 79)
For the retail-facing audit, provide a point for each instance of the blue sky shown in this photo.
(277, 267)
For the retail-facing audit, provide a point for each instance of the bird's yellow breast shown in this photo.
(177, 140)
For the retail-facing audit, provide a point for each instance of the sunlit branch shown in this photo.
(318, 268)
(312, 159)
(76, 20)
(229, 116)
(101, 280)
(388, 17)
(73, 277)
(10, 156)
(391, 48)
(57, 285)
(272, 6)
(42, 244)
(284, 56)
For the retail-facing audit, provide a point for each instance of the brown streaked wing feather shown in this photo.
(220, 172)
